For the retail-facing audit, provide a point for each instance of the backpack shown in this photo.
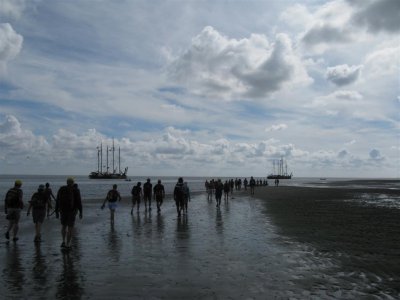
(39, 200)
(158, 190)
(112, 196)
(135, 191)
(12, 198)
(147, 188)
(179, 191)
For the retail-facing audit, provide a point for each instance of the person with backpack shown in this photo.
(12, 207)
(179, 196)
(68, 204)
(136, 196)
(147, 189)
(49, 194)
(159, 194)
(39, 203)
(112, 197)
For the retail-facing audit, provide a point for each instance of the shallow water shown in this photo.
(228, 253)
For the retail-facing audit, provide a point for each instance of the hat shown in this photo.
(41, 187)
(18, 182)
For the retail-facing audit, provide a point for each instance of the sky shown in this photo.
(201, 87)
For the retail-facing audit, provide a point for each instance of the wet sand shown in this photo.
(283, 243)
(362, 239)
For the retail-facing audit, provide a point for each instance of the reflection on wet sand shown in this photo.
(13, 272)
(70, 281)
(114, 244)
(182, 234)
(219, 223)
(160, 224)
(137, 225)
(40, 270)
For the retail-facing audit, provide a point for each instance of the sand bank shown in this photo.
(337, 222)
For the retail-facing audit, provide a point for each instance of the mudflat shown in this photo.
(351, 226)
(282, 243)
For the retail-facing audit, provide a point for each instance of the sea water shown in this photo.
(97, 188)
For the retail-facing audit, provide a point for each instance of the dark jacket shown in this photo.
(68, 200)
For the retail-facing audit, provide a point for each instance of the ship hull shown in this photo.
(279, 177)
(107, 176)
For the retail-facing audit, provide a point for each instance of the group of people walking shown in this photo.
(67, 204)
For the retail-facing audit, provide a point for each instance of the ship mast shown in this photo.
(101, 157)
(113, 149)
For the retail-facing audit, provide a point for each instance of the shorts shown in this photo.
(38, 215)
(112, 205)
(159, 199)
(68, 218)
(13, 214)
(135, 200)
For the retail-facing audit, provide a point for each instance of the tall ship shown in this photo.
(280, 170)
(107, 174)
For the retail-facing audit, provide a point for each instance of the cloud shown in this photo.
(10, 43)
(342, 154)
(276, 127)
(12, 8)
(17, 142)
(377, 16)
(343, 74)
(325, 33)
(374, 154)
(383, 61)
(215, 65)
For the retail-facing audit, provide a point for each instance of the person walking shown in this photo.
(136, 196)
(68, 204)
(252, 184)
(219, 187)
(226, 190)
(39, 204)
(112, 197)
(159, 194)
(245, 182)
(13, 204)
(179, 196)
(49, 194)
(147, 189)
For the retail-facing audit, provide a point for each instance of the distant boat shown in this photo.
(281, 172)
(99, 174)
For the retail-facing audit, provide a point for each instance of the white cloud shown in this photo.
(343, 74)
(276, 127)
(17, 142)
(215, 65)
(10, 44)
(383, 61)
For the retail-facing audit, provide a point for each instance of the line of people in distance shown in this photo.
(147, 193)
(217, 187)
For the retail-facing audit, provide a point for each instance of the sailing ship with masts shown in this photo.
(280, 170)
(99, 174)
